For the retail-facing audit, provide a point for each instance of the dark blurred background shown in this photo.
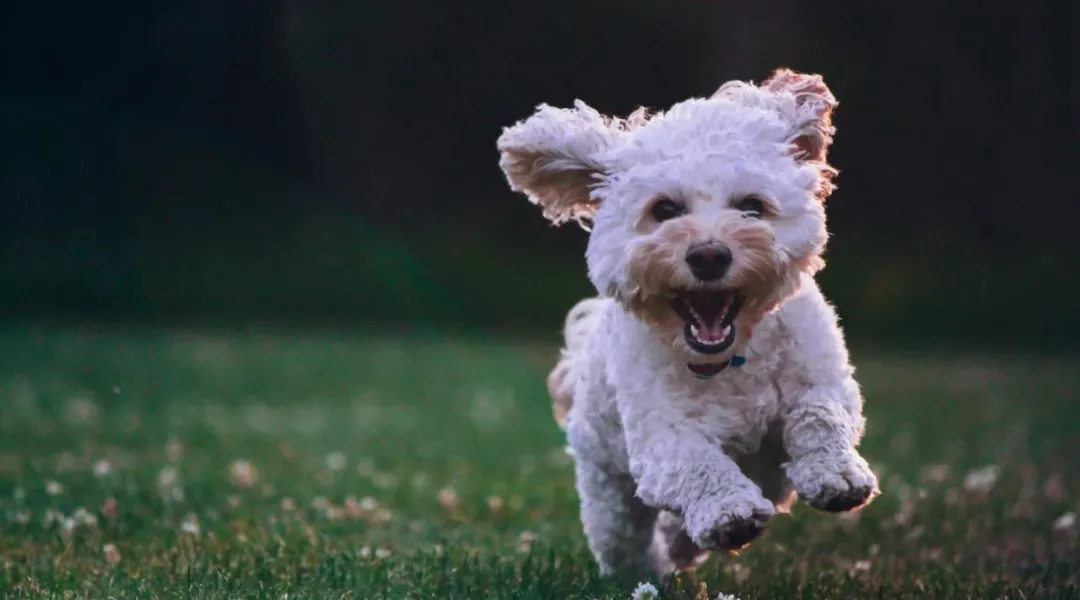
(239, 161)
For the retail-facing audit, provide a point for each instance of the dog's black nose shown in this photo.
(709, 261)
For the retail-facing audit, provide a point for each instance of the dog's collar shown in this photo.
(707, 370)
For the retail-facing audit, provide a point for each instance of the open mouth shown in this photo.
(710, 318)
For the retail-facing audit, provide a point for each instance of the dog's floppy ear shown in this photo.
(802, 100)
(812, 131)
(552, 157)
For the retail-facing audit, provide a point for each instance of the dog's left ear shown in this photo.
(553, 158)
(812, 129)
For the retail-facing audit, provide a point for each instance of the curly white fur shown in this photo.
(668, 465)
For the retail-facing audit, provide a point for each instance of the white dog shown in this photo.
(709, 383)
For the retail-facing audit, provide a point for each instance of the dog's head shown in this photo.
(705, 217)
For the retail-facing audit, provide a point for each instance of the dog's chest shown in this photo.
(735, 407)
(740, 404)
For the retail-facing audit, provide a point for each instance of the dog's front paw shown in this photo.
(730, 523)
(833, 482)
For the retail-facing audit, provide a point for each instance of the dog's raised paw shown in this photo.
(735, 528)
(834, 483)
(736, 533)
(842, 501)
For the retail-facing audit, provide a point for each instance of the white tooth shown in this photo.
(694, 330)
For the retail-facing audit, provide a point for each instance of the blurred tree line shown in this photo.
(319, 158)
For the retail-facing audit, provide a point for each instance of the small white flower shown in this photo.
(982, 480)
(645, 591)
(1065, 522)
(448, 498)
(335, 461)
(54, 488)
(67, 527)
(84, 517)
(190, 524)
(723, 596)
(169, 486)
(102, 468)
(243, 474)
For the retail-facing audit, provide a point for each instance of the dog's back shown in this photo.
(580, 323)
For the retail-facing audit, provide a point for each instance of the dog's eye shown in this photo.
(666, 209)
(750, 205)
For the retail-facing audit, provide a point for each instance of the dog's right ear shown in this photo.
(553, 158)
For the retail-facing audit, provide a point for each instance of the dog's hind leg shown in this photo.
(672, 548)
(580, 323)
(618, 526)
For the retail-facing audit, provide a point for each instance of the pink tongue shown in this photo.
(711, 333)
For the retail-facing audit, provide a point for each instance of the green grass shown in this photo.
(428, 468)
